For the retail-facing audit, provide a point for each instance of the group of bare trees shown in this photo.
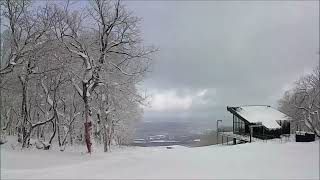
(302, 103)
(71, 76)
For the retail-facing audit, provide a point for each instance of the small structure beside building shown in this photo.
(302, 136)
(260, 121)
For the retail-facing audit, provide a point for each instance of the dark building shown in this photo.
(265, 121)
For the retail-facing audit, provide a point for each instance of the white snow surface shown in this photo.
(258, 160)
(266, 115)
(159, 141)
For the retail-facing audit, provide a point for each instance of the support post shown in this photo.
(218, 131)
(222, 139)
(233, 123)
(250, 133)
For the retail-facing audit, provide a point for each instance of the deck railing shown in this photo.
(226, 137)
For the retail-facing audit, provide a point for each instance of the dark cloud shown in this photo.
(246, 52)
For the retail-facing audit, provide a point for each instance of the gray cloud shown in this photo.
(247, 52)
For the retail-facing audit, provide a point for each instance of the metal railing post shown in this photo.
(218, 130)
(222, 139)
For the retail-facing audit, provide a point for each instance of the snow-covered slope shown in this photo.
(265, 160)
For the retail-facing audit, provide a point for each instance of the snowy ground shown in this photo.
(265, 160)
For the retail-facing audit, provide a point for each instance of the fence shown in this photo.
(226, 138)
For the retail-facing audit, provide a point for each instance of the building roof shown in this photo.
(266, 115)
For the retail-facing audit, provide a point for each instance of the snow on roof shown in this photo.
(266, 115)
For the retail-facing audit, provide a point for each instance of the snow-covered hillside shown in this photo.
(266, 160)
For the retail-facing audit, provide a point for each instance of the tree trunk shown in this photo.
(58, 131)
(105, 139)
(70, 135)
(54, 127)
(38, 128)
(88, 122)
(38, 132)
(24, 110)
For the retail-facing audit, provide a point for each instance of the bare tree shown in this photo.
(303, 102)
(113, 46)
(27, 38)
(27, 30)
(73, 63)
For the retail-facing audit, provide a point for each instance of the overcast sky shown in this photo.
(215, 54)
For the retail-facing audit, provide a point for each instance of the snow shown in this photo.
(259, 160)
(303, 132)
(159, 141)
(139, 141)
(266, 115)
(13, 63)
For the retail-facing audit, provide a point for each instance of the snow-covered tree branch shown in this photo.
(302, 102)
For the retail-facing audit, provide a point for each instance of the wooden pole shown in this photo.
(217, 132)
(233, 123)
(250, 133)
(222, 139)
